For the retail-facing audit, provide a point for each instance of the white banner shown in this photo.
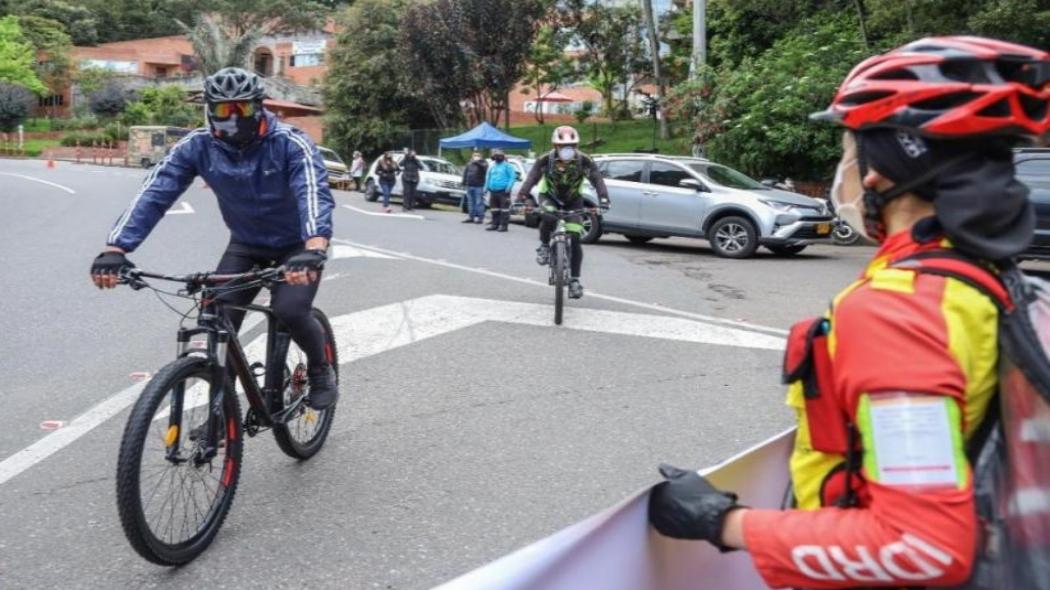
(308, 47)
(617, 550)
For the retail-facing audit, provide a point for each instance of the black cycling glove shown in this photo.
(306, 260)
(687, 506)
(110, 262)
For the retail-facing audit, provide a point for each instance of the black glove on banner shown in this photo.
(306, 260)
(110, 262)
(686, 506)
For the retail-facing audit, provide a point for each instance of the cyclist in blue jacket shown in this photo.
(272, 189)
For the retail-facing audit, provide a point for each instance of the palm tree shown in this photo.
(217, 47)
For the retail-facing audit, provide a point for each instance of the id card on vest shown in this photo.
(914, 440)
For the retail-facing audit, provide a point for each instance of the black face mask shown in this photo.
(979, 204)
(499, 158)
(237, 130)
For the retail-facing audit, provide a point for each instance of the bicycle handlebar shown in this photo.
(133, 277)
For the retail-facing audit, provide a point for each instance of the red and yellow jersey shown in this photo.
(896, 345)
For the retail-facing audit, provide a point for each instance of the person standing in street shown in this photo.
(387, 170)
(410, 167)
(499, 180)
(357, 170)
(474, 180)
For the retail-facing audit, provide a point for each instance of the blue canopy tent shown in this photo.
(484, 136)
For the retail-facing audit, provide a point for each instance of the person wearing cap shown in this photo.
(498, 182)
(265, 175)
(892, 384)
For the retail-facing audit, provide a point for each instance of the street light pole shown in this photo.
(699, 38)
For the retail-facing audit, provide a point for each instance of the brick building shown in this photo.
(292, 64)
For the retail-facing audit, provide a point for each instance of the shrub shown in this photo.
(85, 138)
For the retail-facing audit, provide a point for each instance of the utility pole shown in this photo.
(699, 38)
(654, 48)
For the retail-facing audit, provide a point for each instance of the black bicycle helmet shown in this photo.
(230, 84)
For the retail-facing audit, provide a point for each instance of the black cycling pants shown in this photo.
(291, 304)
(548, 223)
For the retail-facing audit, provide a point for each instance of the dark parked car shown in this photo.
(1033, 168)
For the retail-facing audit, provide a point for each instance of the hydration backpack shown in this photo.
(1010, 451)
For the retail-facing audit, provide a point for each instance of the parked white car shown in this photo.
(440, 181)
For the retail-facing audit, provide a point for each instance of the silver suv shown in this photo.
(656, 196)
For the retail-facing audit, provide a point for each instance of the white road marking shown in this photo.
(650, 306)
(341, 251)
(79, 426)
(377, 214)
(373, 331)
(183, 209)
(41, 181)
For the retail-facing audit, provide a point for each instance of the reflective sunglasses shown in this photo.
(225, 110)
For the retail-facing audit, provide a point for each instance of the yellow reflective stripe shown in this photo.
(832, 338)
(867, 436)
(972, 323)
(808, 467)
(894, 279)
(962, 465)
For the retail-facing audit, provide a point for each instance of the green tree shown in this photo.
(756, 115)
(109, 101)
(472, 51)
(162, 105)
(218, 46)
(367, 105)
(611, 40)
(80, 21)
(52, 45)
(547, 68)
(17, 57)
(16, 102)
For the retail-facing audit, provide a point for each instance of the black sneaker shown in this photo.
(575, 289)
(543, 255)
(324, 390)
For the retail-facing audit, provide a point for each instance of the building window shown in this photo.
(162, 72)
(55, 100)
(306, 59)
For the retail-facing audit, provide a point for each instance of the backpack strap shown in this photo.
(948, 263)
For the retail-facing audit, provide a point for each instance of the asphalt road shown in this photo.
(471, 429)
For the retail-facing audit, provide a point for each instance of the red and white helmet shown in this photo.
(949, 87)
(565, 135)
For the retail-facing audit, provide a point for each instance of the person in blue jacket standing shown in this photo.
(499, 180)
(272, 189)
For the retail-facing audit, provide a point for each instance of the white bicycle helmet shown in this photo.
(565, 135)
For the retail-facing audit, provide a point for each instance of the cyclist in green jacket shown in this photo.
(560, 175)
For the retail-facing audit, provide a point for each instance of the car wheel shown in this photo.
(733, 237)
(532, 219)
(146, 163)
(592, 228)
(787, 250)
(638, 240)
(371, 191)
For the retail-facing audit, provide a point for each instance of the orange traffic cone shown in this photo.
(50, 160)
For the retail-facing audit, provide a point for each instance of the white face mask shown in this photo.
(847, 190)
(566, 153)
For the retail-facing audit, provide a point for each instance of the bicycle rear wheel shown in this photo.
(305, 431)
(558, 263)
(172, 504)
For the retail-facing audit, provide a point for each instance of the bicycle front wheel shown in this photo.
(174, 487)
(559, 260)
(305, 431)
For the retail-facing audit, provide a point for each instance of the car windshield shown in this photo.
(726, 176)
(439, 166)
(329, 155)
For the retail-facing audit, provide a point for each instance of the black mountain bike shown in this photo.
(560, 259)
(180, 456)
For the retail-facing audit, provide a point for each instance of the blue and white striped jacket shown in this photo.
(273, 194)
